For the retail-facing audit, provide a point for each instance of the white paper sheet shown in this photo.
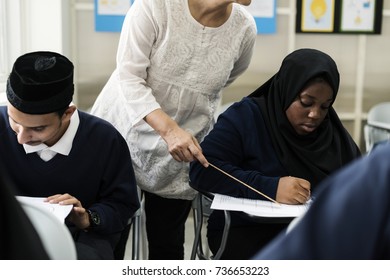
(60, 211)
(259, 208)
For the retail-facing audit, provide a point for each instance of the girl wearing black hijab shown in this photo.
(283, 140)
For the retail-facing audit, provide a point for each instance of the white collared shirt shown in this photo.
(63, 146)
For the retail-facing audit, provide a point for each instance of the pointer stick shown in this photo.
(246, 185)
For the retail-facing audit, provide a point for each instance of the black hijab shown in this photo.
(313, 156)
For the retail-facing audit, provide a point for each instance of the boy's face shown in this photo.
(36, 129)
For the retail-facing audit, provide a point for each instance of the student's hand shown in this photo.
(78, 216)
(293, 190)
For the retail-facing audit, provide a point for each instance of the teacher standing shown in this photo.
(174, 58)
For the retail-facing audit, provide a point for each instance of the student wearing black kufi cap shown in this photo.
(51, 149)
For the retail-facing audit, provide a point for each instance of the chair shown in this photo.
(139, 245)
(377, 128)
(201, 211)
(54, 235)
(134, 224)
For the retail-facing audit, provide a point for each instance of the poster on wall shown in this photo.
(317, 16)
(358, 16)
(264, 13)
(109, 14)
(344, 16)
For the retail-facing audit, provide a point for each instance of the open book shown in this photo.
(261, 208)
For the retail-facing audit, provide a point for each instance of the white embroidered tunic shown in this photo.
(168, 60)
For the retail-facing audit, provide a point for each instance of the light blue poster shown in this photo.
(109, 14)
(264, 12)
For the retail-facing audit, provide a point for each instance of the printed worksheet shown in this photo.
(261, 208)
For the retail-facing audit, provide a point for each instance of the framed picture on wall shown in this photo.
(342, 16)
(316, 15)
(362, 16)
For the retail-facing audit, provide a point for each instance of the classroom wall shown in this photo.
(362, 62)
(32, 25)
(362, 59)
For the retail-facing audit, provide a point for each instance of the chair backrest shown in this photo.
(134, 232)
(380, 115)
(133, 229)
(378, 125)
(54, 235)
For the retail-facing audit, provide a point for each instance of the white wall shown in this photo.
(67, 26)
(31, 25)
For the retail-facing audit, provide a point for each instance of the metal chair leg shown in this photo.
(136, 238)
(224, 236)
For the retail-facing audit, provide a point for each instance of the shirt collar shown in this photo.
(64, 145)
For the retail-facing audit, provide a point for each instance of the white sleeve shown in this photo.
(133, 58)
(245, 58)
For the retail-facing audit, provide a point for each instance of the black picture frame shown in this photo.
(339, 16)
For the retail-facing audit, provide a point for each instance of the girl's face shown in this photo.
(310, 107)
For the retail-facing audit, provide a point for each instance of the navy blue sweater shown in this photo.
(98, 171)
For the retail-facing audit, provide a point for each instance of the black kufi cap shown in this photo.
(41, 83)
